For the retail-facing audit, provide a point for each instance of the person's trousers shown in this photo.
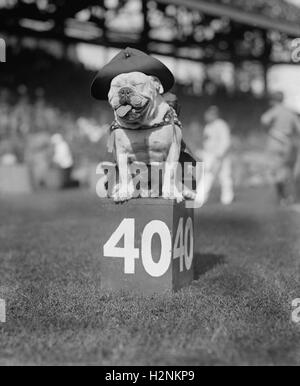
(216, 168)
(283, 172)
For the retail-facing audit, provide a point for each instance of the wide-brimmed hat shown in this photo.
(130, 60)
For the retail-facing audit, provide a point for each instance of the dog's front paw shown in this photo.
(178, 197)
(172, 194)
(189, 195)
(123, 193)
(154, 193)
(145, 193)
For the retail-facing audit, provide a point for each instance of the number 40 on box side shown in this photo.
(147, 246)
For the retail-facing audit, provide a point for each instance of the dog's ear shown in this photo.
(158, 86)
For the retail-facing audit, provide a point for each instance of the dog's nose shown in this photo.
(125, 91)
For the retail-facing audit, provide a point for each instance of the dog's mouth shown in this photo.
(130, 112)
(122, 111)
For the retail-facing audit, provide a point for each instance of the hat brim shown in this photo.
(136, 63)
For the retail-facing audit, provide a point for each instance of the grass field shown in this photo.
(237, 312)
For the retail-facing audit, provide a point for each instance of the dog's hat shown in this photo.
(130, 60)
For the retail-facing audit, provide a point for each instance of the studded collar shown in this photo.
(170, 118)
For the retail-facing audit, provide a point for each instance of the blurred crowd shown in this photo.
(23, 118)
(48, 139)
(28, 121)
(278, 9)
(57, 101)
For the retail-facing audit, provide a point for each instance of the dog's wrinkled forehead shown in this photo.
(141, 83)
(132, 78)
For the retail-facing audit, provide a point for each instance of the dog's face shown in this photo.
(132, 96)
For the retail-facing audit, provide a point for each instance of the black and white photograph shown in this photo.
(149, 186)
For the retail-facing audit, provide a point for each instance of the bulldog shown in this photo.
(145, 130)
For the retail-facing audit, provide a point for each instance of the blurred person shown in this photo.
(216, 157)
(62, 159)
(38, 157)
(283, 147)
(46, 118)
(62, 155)
(21, 117)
